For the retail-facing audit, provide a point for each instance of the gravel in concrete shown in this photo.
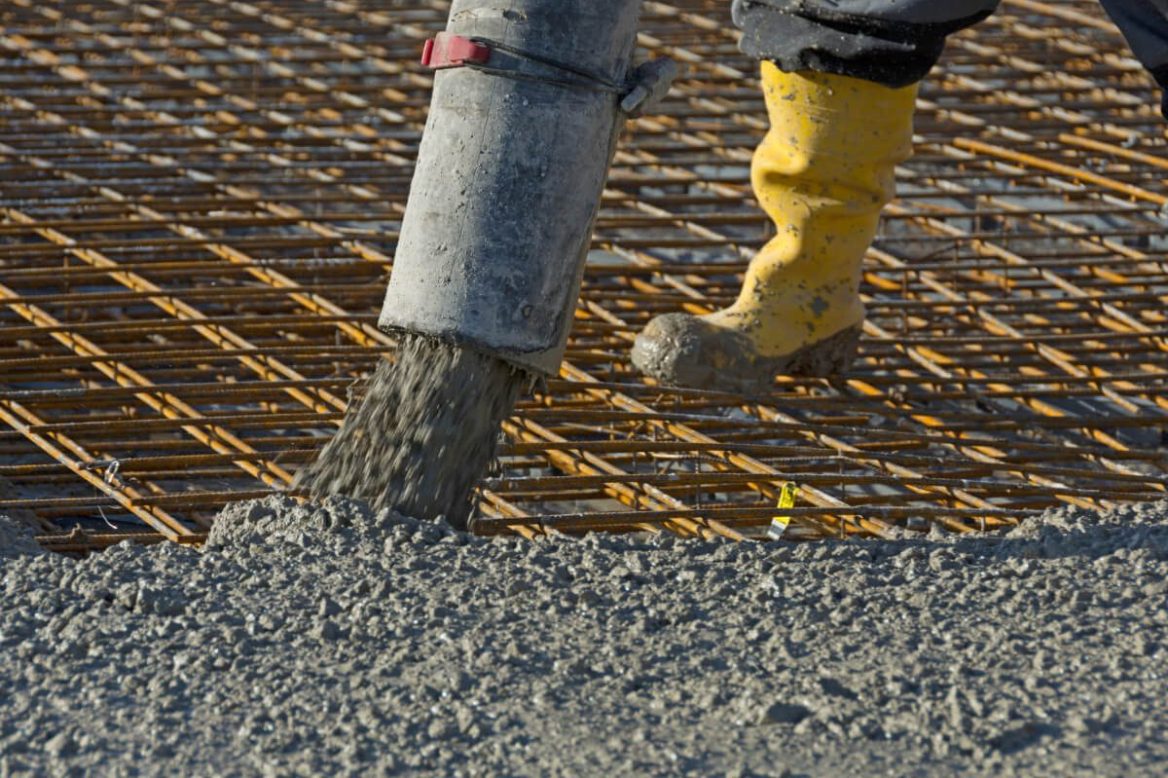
(335, 641)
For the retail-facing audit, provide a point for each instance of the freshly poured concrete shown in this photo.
(332, 640)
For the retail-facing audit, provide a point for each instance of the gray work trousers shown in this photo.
(896, 42)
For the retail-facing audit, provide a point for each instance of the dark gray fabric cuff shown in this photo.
(892, 53)
(1161, 76)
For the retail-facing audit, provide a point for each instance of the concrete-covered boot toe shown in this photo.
(682, 350)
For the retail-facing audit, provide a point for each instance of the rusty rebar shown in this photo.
(200, 207)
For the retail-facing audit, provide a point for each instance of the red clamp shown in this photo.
(447, 50)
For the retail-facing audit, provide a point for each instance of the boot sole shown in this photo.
(823, 359)
(828, 357)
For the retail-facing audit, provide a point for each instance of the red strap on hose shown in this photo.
(446, 50)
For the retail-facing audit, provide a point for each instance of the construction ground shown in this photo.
(198, 216)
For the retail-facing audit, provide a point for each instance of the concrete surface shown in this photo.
(356, 643)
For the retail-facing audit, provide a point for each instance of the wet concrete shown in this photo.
(424, 433)
(335, 640)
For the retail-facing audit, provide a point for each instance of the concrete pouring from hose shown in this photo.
(529, 99)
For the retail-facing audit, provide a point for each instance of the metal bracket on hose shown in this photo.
(648, 86)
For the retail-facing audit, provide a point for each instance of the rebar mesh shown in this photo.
(200, 207)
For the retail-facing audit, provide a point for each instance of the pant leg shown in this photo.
(1144, 23)
(891, 42)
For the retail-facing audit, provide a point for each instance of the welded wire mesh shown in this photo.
(201, 202)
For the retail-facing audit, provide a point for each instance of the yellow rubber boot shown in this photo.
(823, 173)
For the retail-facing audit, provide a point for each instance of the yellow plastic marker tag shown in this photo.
(787, 499)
